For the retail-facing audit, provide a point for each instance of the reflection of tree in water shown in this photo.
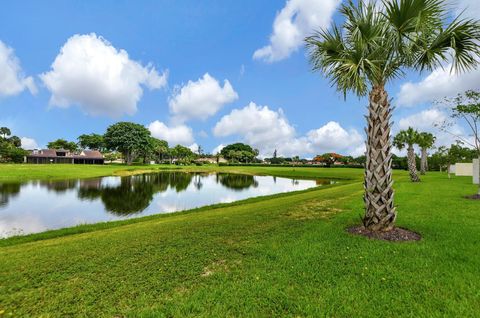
(176, 180)
(237, 182)
(59, 186)
(90, 189)
(197, 182)
(8, 191)
(134, 193)
(197, 179)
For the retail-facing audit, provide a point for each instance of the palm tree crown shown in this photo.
(377, 44)
(405, 138)
(425, 140)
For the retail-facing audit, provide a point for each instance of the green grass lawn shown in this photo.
(23, 172)
(285, 255)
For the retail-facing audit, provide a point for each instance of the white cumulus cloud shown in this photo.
(180, 134)
(29, 143)
(200, 99)
(260, 126)
(269, 130)
(101, 79)
(12, 80)
(333, 137)
(440, 83)
(293, 23)
(424, 120)
(193, 147)
(429, 120)
(218, 148)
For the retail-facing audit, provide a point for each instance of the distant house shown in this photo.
(65, 156)
(211, 160)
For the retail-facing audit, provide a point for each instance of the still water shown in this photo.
(37, 206)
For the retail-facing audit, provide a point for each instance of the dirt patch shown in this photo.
(314, 209)
(473, 197)
(215, 267)
(396, 235)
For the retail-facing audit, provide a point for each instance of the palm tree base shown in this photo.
(473, 197)
(396, 234)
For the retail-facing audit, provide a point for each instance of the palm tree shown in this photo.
(425, 141)
(4, 131)
(375, 45)
(408, 138)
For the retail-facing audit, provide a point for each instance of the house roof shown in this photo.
(89, 154)
(52, 153)
(43, 153)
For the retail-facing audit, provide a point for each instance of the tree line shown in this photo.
(130, 141)
(10, 146)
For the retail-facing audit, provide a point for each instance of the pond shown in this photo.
(37, 206)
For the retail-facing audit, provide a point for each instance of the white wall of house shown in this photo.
(464, 169)
(476, 171)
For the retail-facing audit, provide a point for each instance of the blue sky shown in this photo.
(269, 99)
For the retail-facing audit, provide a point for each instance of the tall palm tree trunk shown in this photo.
(423, 162)
(412, 165)
(380, 213)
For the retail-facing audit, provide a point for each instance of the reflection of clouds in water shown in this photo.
(110, 181)
(227, 199)
(283, 185)
(10, 225)
(36, 207)
(168, 207)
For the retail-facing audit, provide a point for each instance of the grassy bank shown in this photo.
(286, 255)
(25, 172)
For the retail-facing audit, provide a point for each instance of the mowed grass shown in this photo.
(286, 255)
(24, 172)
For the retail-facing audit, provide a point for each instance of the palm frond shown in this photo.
(464, 40)
(414, 16)
(344, 66)
(458, 41)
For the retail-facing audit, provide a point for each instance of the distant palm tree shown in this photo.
(408, 138)
(4, 131)
(376, 44)
(425, 142)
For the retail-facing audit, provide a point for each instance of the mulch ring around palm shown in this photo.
(397, 234)
(473, 197)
